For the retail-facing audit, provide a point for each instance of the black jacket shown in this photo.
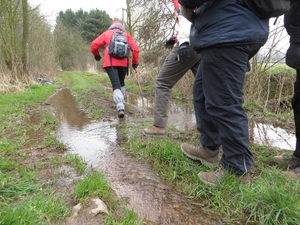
(224, 22)
(292, 22)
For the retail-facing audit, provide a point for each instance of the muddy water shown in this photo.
(184, 118)
(157, 201)
(267, 134)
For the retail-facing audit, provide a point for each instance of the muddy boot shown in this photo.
(289, 160)
(206, 156)
(121, 114)
(213, 178)
(295, 173)
(154, 130)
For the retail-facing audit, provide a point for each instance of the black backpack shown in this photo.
(266, 9)
(118, 46)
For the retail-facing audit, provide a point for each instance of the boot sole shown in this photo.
(208, 164)
(153, 134)
(121, 114)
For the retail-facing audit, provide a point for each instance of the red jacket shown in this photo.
(105, 38)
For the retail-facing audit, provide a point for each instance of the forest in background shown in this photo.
(31, 48)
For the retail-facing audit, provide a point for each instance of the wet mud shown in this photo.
(97, 142)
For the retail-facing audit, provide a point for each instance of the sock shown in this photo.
(119, 99)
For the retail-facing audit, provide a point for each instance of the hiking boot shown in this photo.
(203, 154)
(213, 178)
(246, 179)
(121, 113)
(290, 160)
(294, 175)
(154, 130)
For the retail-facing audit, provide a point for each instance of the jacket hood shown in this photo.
(118, 25)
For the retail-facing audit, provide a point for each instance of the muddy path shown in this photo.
(98, 143)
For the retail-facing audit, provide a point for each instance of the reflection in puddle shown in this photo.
(276, 137)
(183, 118)
(87, 142)
(157, 201)
(96, 141)
(179, 117)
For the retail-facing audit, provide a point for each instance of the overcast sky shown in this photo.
(50, 8)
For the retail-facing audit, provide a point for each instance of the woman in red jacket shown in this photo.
(116, 68)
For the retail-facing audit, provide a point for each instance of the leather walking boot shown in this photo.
(206, 156)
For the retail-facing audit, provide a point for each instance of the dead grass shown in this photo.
(7, 87)
(185, 85)
(11, 83)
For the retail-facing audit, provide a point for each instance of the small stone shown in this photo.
(101, 207)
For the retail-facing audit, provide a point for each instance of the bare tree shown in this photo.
(263, 82)
(150, 22)
(10, 30)
(25, 36)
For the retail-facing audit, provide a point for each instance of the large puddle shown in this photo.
(152, 199)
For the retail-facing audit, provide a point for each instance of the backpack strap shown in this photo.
(121, 32)
(109, 42)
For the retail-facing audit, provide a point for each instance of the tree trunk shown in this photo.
(25, 37)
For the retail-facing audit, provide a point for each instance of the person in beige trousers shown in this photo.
(181, 59)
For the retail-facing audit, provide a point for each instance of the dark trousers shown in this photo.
(117, 76)
(218, 98)
(292, 25)
(296, 108)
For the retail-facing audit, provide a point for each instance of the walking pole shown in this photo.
(138, 81)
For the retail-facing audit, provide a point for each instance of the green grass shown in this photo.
(129, 218)
(95, 184)
(39, 209)
(87, 83)
(165, 155)
(271, 199)
(12, 186)
(280, 68)
(254, 108)
(24, 198)
(76, 161)
(80, 81)
(14, 106)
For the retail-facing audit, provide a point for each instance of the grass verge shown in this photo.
(32, 162)
(272, 198)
